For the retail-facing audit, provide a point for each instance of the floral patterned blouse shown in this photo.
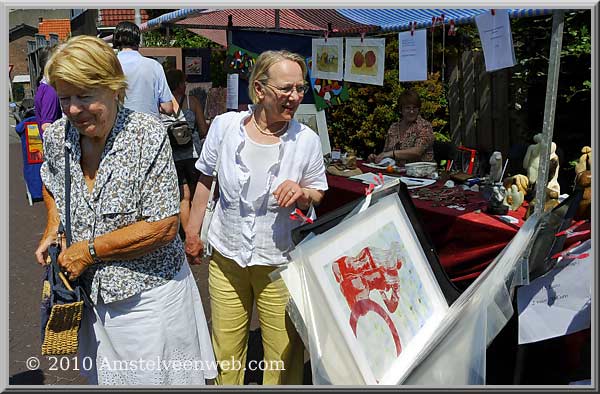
(418, 134)
(136, 180)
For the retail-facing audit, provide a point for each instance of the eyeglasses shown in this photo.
(410, 108)
(301, 89)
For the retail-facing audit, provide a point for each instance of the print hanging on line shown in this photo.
(328, 57)
(365, 60)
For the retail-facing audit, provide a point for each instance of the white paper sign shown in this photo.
(558, 303)
(413, 56)
(496, 39)
(233, 83)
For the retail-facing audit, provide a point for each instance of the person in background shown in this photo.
(147, 88)
(46, 104)
(146, 307)
(270, 164)
(185, 156)
(410, 139)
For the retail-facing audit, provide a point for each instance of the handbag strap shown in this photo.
(67, 228)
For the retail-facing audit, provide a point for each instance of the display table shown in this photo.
(466, 241)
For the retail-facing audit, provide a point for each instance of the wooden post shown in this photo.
(485, 102)
(455, 106)
(468, 79)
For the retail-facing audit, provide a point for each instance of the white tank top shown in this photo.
(258, 158)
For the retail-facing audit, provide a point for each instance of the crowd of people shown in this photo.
(139, 202)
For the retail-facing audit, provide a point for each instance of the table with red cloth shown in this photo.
(466, 241)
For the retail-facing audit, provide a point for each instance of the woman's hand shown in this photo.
(75, 259)
(288, 193)
(193, 249)
(383, 155)
(41, 253)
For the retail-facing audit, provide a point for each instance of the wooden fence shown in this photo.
(481, 108)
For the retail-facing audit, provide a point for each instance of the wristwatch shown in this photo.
(92, 249)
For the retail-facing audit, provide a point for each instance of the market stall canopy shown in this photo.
(399, 19)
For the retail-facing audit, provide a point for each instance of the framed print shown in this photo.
(308, 115)
(196, 64)
(328, 55)
(365, 60)
(169, 58)
(378, 285)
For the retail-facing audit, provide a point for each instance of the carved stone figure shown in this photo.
(514, 197)
(531, 161)
(496, 166)
(585, 161)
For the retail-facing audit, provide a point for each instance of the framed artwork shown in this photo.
(308, 115)
(169, 58)
(378, 285)
(196, 63)
(328, 55)
(365, 60)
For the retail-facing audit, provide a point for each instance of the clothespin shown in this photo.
(451, 29)
(413, 25)
(433, 20)
(493, 12)
(362, 36)
(369, 190)
(570, 233)
(379, 179)
(567, 253)
(326, 35)
(298, 215)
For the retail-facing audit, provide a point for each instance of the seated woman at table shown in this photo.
(410, 139)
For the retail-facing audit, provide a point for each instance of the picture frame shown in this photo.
(386, 327)
(328, 58)
(196, 64)
(308, 115)
(365, 60)
(169, 58)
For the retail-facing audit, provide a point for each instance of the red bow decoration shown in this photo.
(298, 215)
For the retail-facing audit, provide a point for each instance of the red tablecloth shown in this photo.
(466, 241)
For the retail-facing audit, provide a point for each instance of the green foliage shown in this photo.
(183, 38)
(360, 124)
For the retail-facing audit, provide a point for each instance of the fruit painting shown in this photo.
(365, 60)
(327, 55)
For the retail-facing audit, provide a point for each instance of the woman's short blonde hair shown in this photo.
(88, 63)
(260, 71)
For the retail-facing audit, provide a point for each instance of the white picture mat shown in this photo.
(329, 246)
(496, 39)
(321, 123)
(379, 45)
(336, 46)
(412, 64)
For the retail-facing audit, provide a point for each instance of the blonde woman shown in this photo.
(270, 164)
(146, 310)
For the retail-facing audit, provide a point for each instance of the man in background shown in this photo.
(147, 88)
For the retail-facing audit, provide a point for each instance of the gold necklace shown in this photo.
(264, 131)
